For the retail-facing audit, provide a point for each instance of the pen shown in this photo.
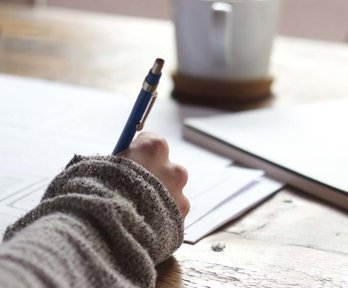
(141, 108)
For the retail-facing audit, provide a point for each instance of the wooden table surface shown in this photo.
(291, 240)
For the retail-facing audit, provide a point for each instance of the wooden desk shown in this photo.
(292, 240)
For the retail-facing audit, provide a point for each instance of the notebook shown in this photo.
(305, 146)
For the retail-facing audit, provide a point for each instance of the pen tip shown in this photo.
(157, 66)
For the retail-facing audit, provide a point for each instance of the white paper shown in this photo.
(43, 124)
(230, 181)
(26, 191)
(232, 208)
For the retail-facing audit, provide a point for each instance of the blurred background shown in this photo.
(316, 19)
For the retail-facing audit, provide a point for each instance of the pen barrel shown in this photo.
(134, 119)
(140, 109)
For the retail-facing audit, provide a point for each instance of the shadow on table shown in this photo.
(169, 274)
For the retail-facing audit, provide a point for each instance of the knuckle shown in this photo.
(160, 143)
(181, 174)
(185, 206)
(160, 146)
(156, 146)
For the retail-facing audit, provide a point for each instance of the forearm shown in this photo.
(102, 219)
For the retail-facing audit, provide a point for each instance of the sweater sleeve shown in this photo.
(103, 222)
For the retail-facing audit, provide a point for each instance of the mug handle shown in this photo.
(220, 12)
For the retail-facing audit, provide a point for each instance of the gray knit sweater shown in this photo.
(103, 222)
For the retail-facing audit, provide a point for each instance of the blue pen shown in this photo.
(141, 108)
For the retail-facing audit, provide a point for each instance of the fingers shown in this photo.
(152, 152)
(149, 149)
(152, 144)
(184, 206)
(174, 175)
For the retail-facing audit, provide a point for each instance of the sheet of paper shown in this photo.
(229, 181)
(43, 124)
(232, 208)
(18, 198)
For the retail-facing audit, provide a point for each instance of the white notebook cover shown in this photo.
(305, 146)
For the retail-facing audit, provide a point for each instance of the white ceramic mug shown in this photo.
(227, 39)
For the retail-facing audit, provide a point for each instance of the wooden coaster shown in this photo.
(200, 91)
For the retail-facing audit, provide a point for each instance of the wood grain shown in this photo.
(85, 49)
(291, 240)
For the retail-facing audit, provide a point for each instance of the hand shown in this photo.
(151, 151)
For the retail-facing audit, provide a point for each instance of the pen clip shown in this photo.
(140, 125)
